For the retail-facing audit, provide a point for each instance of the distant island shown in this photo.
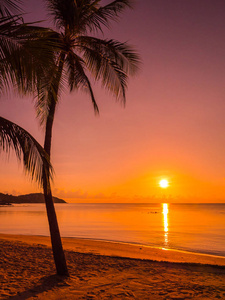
(6, 199)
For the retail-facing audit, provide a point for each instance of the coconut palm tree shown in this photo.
(19, 69)
(25, 57)
(80, 55)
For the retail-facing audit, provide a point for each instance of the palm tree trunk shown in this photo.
(58, 253)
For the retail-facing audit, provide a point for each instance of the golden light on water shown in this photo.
(164, 183)
(165, 212)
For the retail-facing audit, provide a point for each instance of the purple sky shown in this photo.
(173, 124)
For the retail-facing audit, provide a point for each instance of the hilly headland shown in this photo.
(6, 199)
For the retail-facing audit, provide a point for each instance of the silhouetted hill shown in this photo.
(29, 198)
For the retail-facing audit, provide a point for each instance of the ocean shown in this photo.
(190, 227)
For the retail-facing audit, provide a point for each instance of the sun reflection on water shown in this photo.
(165, 211)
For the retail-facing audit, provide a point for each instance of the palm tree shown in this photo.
(15, 70)
(80, 54)
(25, 58)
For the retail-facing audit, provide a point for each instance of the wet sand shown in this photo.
(105, 270)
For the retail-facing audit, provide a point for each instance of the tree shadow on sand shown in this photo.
(45, 284)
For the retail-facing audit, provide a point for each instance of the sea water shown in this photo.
(191, 227)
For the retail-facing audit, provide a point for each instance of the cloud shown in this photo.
(79, 194)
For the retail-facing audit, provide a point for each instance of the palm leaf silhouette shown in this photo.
(26, 148)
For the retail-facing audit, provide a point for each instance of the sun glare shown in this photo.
(163, 183)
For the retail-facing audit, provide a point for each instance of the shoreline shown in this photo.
(121, 249)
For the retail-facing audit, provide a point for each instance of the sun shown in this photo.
(164, 183)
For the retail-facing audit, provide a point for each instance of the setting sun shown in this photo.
(163, 183)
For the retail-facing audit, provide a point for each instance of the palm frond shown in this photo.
(108, 72)
(9, 7)
(105, 67)
(121, 53)
(36, 161)
(78, 78)
(102, 15)
(25, 53)
(49, 89)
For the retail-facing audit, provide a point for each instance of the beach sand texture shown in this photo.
(27, 272)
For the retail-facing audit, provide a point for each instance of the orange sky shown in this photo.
(172, 126)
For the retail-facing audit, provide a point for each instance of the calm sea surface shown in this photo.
(191, 227)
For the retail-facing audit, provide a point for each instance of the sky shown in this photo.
(172, 126)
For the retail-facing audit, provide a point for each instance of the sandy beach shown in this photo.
(105, 270)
